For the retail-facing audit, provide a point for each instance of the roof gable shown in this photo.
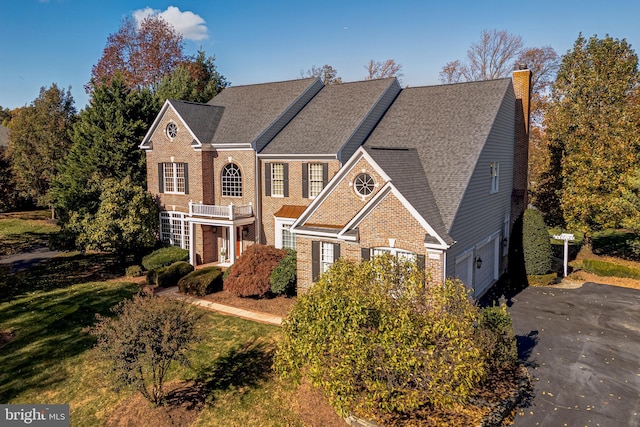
(250, 111)
(337, 116)
(448, 126)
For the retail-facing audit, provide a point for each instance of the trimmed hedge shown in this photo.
(164, 257)
(608, 269)
(172, 274)
(201, 282)
(536, 246)
(283, 277)
(134, 271)
(542, 279)
(152, 275)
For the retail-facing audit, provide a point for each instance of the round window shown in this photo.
(172, 130)
(363, 184)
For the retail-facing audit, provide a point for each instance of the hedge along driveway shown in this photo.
(582, 347)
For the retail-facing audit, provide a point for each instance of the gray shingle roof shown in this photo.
(4, 136)
(448, 125)
(202, 119)
(330, 119)
(249, 110)
(405, 169)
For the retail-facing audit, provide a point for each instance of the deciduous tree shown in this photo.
(39, 140)
(593, 123)
(143, 55)
(382, 69)
(326, 73)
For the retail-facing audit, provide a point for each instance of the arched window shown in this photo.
(231, 181)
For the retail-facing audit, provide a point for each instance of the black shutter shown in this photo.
(365, 254)
(267, 179)
(325, 174)
(305, 180)
(160, 178)
(336, 251)
(315, 261)
(186, 178)
(285, 172)
(420, 259)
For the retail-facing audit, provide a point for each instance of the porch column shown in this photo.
(192, 245)
(232, 244)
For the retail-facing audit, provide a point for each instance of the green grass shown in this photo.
(20, 235)
(614, 243)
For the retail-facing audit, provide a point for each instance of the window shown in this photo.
(495, 177)
(316, 183)
(231, 181)
(172, 130)
(323, 255)
(288, 238)
(363, 184)
(277, 179)
(173, 178)
(174, 230)
(403, 255)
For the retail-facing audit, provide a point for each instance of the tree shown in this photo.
(143, 55)
(326, 73)
(536, 245)
(5, 116)
(126, 222)
(593, 122)
(380, 341)
(490, 58)
(39, 140)
(148, 335)
(196, 80)
(106, 140)
(382, 69)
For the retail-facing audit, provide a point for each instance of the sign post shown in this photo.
(566, 237)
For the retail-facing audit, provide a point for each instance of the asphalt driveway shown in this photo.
(582, 347)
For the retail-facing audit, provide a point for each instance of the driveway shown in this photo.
(25, 260)
(582, 347)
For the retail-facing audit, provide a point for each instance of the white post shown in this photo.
(190, 207)
(232, 244)
(231, 211)
(192, 243)
(566, 237)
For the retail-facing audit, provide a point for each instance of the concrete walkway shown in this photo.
(224, 309)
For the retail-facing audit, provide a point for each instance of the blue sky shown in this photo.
(58, 41)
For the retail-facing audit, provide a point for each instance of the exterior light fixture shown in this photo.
(478, 262)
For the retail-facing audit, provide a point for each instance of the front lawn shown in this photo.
(21, 233)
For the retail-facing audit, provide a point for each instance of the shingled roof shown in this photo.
(202, 119)
(339, 115)
(448, 126)
(250, 110)
(405, 169)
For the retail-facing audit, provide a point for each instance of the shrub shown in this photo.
(172, 274)
(147, 336)
(249, 275)
(604, 268)
(542, 279)
(501, 344)
(152, 275)
(226, 274)
(380, 342)
(164, 256)
(283, 277)
(201, 282)
(134, 271)
(536, 245)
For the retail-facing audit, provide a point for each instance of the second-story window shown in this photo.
(277, 179)
(231, 181)
(314, 178)
(174, 178)
(495, 177)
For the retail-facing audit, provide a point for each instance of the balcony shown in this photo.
(230, 212)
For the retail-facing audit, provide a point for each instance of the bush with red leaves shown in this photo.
(249, 275)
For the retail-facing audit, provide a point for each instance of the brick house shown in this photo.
(348, 170)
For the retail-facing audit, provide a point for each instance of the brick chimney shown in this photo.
(522, 89)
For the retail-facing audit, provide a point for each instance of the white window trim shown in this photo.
(174, 179)
(273, 180)
(495, 177)
(182, 239)
(393, 251)
(325, 264)
(279, 226)
(224, 179)
(310, 181)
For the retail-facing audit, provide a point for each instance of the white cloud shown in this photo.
(190, 25)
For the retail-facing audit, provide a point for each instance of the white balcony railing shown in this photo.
(217, 211)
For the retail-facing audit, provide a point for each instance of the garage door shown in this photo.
(464, 269)
(487, 274)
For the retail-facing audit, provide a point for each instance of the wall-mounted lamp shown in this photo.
(478, 262)
(245, 231)
(214, 229)
(505, 241)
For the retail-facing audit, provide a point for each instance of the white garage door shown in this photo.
(487, 274)
(464, 269)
